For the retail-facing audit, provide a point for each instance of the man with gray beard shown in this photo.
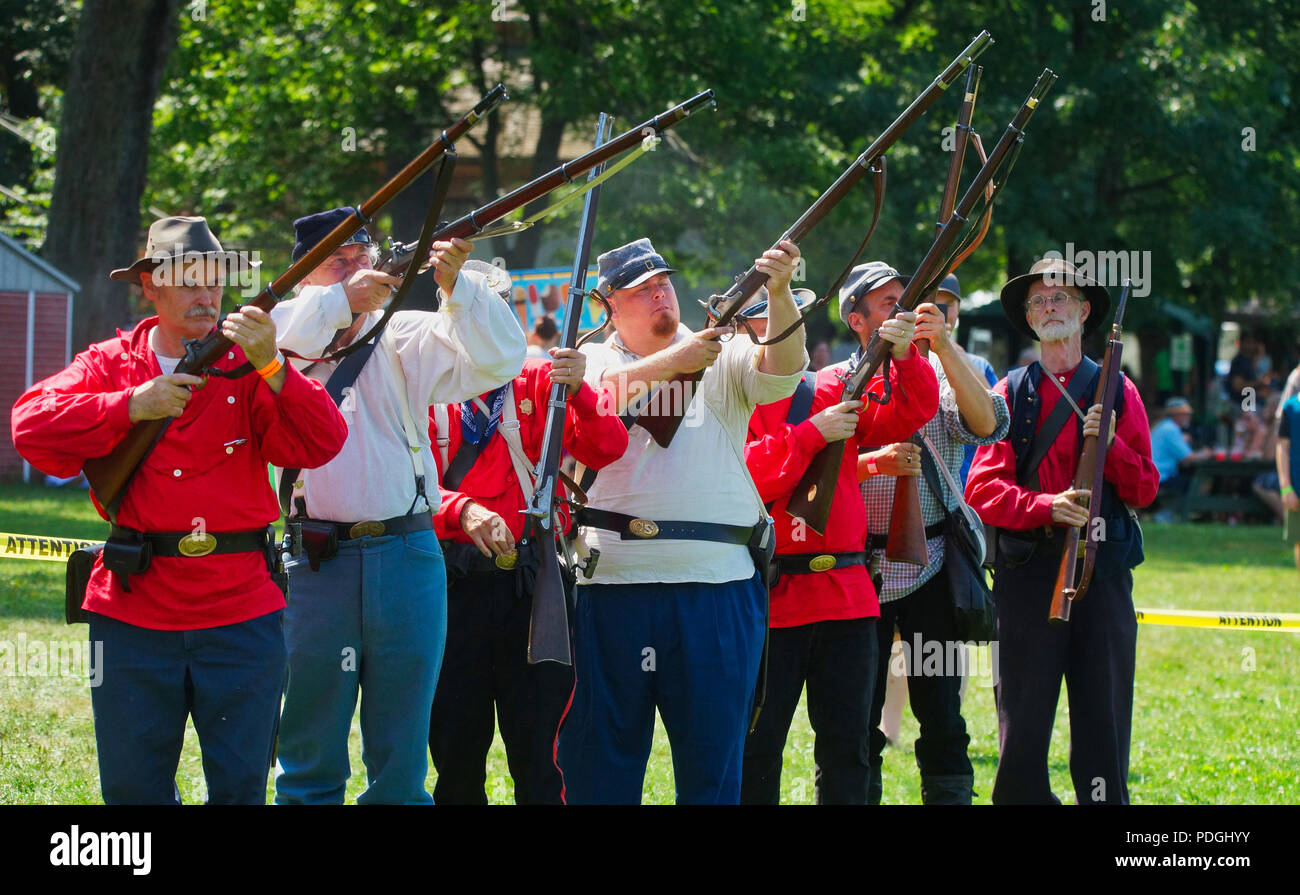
(1024, 486)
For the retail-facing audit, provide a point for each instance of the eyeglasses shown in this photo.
(1056, 300)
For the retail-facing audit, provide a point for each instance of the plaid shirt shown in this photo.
(950, 435)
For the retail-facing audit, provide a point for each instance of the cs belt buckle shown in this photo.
(821, 563)
(643, 528)
(197, 544)
(506, 561)
(369, 529)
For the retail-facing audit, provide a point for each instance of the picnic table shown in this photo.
(1206, 492)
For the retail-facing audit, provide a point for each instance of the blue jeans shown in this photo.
(373, 618)
(692, 651)
(227, 678)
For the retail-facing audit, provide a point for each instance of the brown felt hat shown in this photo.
(1058, 272)
(181, 241)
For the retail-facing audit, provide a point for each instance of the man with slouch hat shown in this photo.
(182, 598)
(674, 616)
(1024, 485)
(369, 608)
(487, 449)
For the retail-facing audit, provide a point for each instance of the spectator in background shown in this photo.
(1288, 456)
(544, 337)
(1171, 448)
(820, 356)
(1244, 371)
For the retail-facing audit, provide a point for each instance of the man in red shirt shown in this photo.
(823, 609)
(191, 622)
(1024, 486)
(487, 452)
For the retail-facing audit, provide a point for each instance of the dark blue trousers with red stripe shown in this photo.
(689, 650)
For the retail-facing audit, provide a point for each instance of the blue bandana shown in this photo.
(469, 431)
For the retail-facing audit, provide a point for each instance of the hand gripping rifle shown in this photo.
(907, 523)
(662, 422)
(1090, 473)
(548, 628)
(110, 475)
(811, 500)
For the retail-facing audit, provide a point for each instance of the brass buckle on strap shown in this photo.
(198, 543)
(367, 529)
(643, 528)
(821, 563)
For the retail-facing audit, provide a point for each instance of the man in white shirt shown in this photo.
(675, 614)
(369, 594)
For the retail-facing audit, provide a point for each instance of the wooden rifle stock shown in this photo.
(1091, 473)
(811, 500)
(662, 418)
(110, 475)
(907, 523)
(906, 542)
(548, 627)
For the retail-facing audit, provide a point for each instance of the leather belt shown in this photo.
(398, 525)
(805, 563)
(197, 543)
(635, 528)
(880, 541)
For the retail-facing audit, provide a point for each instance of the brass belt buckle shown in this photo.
(506, 561)
(643, 528)
(821, 563)
(197, 544)
(368, 529)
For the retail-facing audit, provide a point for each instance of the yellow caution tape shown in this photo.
(33, 547)
(1190, 618)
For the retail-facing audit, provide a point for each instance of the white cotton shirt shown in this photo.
(472, 344)
(699, 477)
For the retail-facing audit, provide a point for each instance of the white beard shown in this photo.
(1058, 332)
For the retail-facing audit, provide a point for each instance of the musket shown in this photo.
(1091, 473)
(548, 627)
(113, 472)
(110, 474)
(906, 522)
(662, 422)
(811, 500)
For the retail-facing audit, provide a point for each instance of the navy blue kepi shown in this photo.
(309, 231)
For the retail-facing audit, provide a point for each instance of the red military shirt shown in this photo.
(777, 455)
(991, 487)
(594, 437)
(208, 470)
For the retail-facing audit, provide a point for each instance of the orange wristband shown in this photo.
(272, 368)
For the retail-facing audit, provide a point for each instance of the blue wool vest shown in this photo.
(1122, 547)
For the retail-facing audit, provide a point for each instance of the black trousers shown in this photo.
(837, 659)
(485, 672)
(1096, 654)
(924, 617)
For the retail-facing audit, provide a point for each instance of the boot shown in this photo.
(947, 789)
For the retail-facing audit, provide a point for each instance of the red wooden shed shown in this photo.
(35, 333)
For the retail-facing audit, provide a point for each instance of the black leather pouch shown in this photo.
(320, 541)
(76, 580)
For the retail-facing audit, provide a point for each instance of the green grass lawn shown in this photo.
(1214, 720)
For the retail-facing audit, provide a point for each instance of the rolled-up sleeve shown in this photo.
(471, 345)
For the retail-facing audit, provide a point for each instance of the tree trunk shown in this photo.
(103, 153)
